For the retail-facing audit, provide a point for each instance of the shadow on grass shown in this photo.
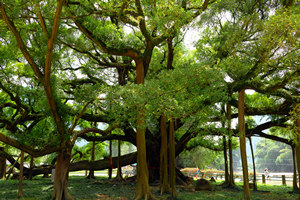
(101, 188)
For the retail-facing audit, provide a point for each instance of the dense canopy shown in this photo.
(68, 68)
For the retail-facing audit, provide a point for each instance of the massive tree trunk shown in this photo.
(172, 159)
(241, 121)
(2, 165)
(143, 188)
(164, 178)
(253, 162)
(20, 192)
(231, 177)
(61, 175)
(295, 184)
(153, 148)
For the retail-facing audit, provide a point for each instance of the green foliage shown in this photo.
(84, 152)
(202, 158)
(275, 156)
(243, 44)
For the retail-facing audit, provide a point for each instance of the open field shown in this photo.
(101, 188)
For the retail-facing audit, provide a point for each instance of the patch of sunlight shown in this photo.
(47, 188)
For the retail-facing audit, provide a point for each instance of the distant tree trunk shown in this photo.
(119, 171)
(172, 159)
(31, 168)
(164, 181)
(225, 161)
(61, 175)
(295, 184)
(241, 122)
(91, 173)
(110, 157)
(231, 177)
(2, 165)
(20, 192)
(231, 173)
(254, 169)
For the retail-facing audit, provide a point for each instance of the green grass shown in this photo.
(101, 188)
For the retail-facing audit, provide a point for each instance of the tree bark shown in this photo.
(2, 165)
(91, 173)
(231, 175)
(61, 175)
(31, 167)
(20, 191)
(225, 160)
(164, 181)
(295, 184)
(241, 122)
(143, 188)
(296, 110)
(172, 159)
(119, 171)
(110, 157)
(254, 169)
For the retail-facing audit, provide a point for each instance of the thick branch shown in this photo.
(110, 50)
(34, 152)
(42, 21)
(105, 138)
(21, 44)
(273, 137)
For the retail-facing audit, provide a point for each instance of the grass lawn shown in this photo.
(101, 188)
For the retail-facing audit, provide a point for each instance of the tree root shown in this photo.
(147, 196)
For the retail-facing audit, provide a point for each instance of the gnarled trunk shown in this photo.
(241, 121)
(61, 175)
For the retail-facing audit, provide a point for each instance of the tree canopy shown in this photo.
(68, 65)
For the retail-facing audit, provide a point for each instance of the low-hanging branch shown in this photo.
(105, 163)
